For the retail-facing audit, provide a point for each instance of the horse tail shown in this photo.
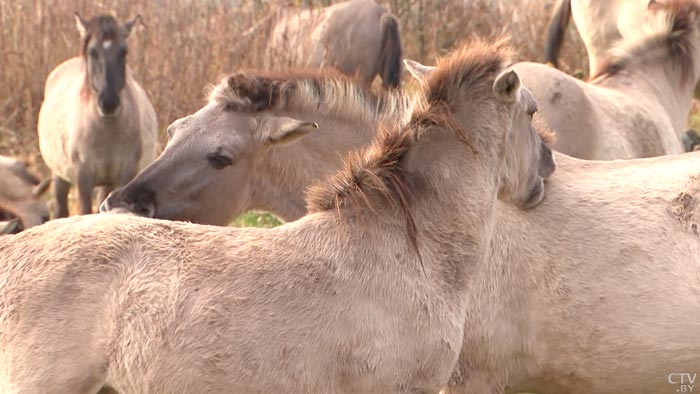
(555, 31)
(391, 52)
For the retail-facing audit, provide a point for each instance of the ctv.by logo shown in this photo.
(684, 380)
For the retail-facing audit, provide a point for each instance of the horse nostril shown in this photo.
(147, 210)
(108, 102)
(143, 203)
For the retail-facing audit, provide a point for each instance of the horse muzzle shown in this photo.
(108, 103)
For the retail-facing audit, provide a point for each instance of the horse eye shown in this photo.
(92, 52)
(220, 160)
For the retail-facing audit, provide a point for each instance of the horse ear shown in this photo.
(81, 24)
(129, 25)
(419, 71)
(41, 188)
(507, 86)
(281, 129)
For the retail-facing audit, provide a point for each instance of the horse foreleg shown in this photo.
(85, 186)
(60, 193)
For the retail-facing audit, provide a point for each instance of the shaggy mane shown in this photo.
(326, 91)
(375, 179)
(669, 28)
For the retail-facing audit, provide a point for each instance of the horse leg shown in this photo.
(85, 186)
(102, 193)
(60, 193)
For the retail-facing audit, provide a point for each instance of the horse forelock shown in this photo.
(469, 65)
(103, 27)
(317, 91)
(669, 28)
(376, 179)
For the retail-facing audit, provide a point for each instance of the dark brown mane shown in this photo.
(325, 91)
(375, 179)
(676, 38)
(105, 27)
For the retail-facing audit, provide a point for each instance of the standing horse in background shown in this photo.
(358, 37)
(638, 103)
(20, 196)
(97, 126)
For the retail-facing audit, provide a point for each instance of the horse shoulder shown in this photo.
(65, 73)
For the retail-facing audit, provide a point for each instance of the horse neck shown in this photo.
(286, 171)
(455, 217)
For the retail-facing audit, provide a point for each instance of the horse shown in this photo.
(260, 141)
(589, 292)
(358, 37)
(20, 196)
(600, 23)
(96, 125)
(637, 106)
(330, 303)
(583, 293)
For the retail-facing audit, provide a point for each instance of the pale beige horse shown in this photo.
(365, 295)
(600, 23)
(639, 103)
(593, 291)
(97, 126)
(358, 37)
(20, 195)
(255, 146)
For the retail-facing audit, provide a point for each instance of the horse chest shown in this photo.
(106, 151)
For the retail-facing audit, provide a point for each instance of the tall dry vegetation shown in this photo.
(184, 45)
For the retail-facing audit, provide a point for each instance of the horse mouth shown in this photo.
(147, 211)
(536, 195)
(108, 115)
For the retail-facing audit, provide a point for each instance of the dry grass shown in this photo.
(184, 45)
